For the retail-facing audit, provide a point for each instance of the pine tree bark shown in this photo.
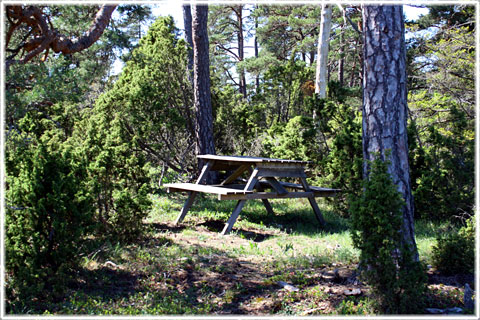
(201, 83)
(187, 22)
(385, 101)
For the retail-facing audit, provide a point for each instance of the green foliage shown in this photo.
(443, 166)
(142, 121)
(455, 251)
(442, 127)
(293, 140)
(342, 166)
(117, 174)
(49, 210)
(387, 260)
(153, 98)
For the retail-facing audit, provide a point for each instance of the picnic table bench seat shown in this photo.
(235, 191)
(220, 190)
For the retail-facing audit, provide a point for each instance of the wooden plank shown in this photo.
(266, 195)
(173, 187)
(297, 186)
(289, 173)
(248, 159)
(237, 173)
(277, 186)
(281, 166)
(186, 207)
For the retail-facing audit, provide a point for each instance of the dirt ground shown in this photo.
(321, 292)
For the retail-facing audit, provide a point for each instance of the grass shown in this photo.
(191, 269)
(295, 218)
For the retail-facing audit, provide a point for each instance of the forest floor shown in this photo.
(280, 265)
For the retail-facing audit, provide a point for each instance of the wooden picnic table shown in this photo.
(263, 173)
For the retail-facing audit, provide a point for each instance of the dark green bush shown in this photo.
(386, 261)
(48, 212)
(455, 251)
(117, 175)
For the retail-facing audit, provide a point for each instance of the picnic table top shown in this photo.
(245, 159)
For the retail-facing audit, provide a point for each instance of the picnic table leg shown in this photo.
(313, 203)
(252, 182)
(266, 203)
(186, 206)
(231, 221)
(268, 206)
(192, 194)
(206, 168)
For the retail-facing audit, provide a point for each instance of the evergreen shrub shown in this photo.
(49, 211)
(455, 251)
(386, 261)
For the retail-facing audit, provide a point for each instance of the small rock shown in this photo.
(310, 311)
(287, 286)
(468, 298)
(454, 310)
(329, 276)
(353, 292)
(434, 310)
(111, 264)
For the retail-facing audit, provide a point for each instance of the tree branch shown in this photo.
(46, 37)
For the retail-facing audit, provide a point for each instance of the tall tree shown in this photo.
(201, 82)
(227, 36)
(187, 22)
(385, 102)
(322, 56)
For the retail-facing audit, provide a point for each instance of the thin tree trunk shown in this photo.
(341, 61)
(187, 21)
(354, 66)
(241, 52)
(322, 55)
(385, 101)
(201, 83)
(255, 45)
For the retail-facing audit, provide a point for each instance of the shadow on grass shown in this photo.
(164, 227)
(213, 283)
(301, 222)
(218, 225)
(106, 283)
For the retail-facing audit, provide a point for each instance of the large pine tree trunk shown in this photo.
(385, 101)
(201, 83)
